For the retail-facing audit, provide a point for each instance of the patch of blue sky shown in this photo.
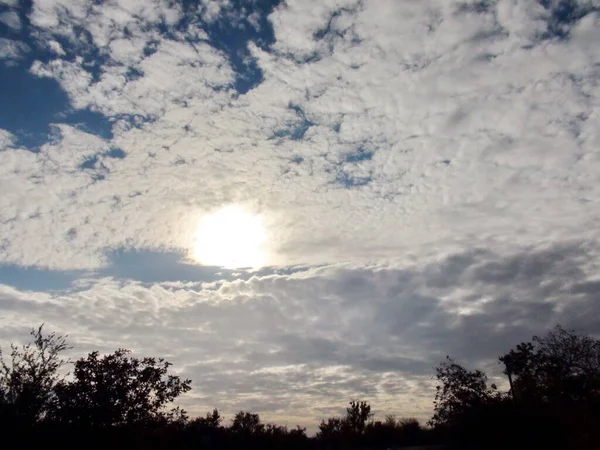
(30, 103)
(149, 266)
(361, 154)
(563, 15)
(298, 129)
(35, 279)
(144, 266)
(349, 181)
(35, 103)
(240, 23)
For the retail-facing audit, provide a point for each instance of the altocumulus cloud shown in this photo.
(428, 173)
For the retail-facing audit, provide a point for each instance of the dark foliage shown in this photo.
(119, 401)
(28, 382)
(460, 392)
(557, 376)
(553, 401)
(561, 368)
(117, 389)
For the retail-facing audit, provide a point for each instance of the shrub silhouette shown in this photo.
(459, 393)
(247, 423)
(561, 368)
(118, 389)
(28, 381)
(119, 401)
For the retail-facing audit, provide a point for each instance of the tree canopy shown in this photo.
(118, 400)
(118, 389)
(562, 367)
(28, 381)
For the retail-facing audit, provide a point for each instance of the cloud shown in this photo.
(427, 173)
(11, 19)
(293, 345)
(453, 139)
(6, 139)
(12, 51)
(56, 48)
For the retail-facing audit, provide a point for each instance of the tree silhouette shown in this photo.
(118, 389)
(247, 423)
(332, 428)
(460, 392)
(212, 420)
(121, 402)
(562, 367)
(347, 431)
(410, 430)
(557, 376)
(392, 432)
(357, 415)
(28, 381)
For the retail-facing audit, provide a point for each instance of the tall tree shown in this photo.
(28, 380)
(459, 392)
(211, 420)
(560, 368)
(329, 429)
(118, 389)
(247, 423)
(357, 415)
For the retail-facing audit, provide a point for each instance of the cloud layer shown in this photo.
(438, 133)
(428, 173)
(298, 346)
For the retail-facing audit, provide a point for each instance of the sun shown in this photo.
(232, 238)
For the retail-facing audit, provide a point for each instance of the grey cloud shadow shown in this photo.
(365, 322)
(399, 320)
(525, 294)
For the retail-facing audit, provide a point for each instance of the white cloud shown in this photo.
(56, 48)
(11, 19)
(428, 127)
(42, 199)
(6, 139)
(12, 51)
(212, 9)
(147, 74)
(299, 346)
(439, 158)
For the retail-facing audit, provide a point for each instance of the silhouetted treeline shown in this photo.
(117, 401)
(553, 401)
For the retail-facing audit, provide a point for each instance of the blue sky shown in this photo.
(404, 178)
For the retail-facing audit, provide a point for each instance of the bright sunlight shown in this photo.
(230, 237)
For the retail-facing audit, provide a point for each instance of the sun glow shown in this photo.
(232, 238)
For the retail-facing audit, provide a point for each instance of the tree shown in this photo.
(459, 393)
(247, 423)
(275, 431)
(118, 389)
(393, 433)
(212, 420)
(410, 430)
(357, 415)
(558, 376)
(298, 433)
(353, 425)
(560, 368)
(332, 428)
(28, 382)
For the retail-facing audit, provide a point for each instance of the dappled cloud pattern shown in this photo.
(425, 171)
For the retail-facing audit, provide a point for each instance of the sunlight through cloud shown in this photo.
(232, 238)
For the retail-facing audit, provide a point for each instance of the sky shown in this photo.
(300, 203)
